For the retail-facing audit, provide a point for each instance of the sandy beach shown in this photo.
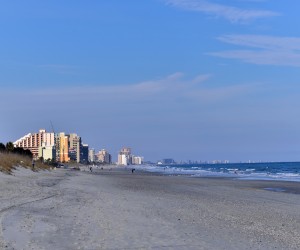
(115, 209)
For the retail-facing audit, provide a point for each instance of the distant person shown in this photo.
(91, 169)
(33, 163)
(132, 170)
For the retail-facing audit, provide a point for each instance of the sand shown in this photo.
(115, 209)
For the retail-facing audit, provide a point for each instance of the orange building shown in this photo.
(62, 148)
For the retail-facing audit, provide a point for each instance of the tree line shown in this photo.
(10, 148)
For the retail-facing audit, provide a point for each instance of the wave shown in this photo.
(270, 171)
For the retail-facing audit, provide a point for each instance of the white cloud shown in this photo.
(233, 14)
(266, 50)
(263, 42)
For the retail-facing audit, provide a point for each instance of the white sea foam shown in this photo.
(247, 174)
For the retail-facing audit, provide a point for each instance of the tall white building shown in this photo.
(137, 160)
(92, 155)
(123, 160)
(124, 156)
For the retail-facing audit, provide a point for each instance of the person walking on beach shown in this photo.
(33, 163)
(91, 169)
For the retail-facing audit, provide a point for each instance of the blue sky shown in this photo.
(187, 79)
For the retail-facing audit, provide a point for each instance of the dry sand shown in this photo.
(114, 209)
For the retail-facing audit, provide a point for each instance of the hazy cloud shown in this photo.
(174, 93)
(263, 42)
(266, 50)
(166, 88)
(233, 14)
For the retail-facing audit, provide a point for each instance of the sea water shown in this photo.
(285, 171)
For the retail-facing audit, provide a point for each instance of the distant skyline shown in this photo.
(183, 79)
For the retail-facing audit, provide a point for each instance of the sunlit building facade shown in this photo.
(74, 147)
(33, 141)
(124, 156)
(137, 160)
(103, 156)
(62, 148)
(92, 155)
(47, 153)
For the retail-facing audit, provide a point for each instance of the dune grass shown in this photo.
(9, 161)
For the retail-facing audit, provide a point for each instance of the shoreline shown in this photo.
(278, 186)
(270, 185)
(246, 171)
(117, 209)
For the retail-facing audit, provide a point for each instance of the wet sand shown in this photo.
(115, 209)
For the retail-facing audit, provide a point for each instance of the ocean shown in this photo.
(284, 171)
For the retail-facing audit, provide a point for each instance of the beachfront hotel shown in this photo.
(137, 160)
(62, 148)
(48, 153)
(103, 156)
(126, 158)
(84, 153)
(33, 141)
(92, 155)
(74, 147)
(50, 146)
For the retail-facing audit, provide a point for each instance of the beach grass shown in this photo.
(9, 161)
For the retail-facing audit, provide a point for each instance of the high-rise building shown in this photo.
(124, 156)
(123, 160)
(103, 156)
(47, 153)
(74, 147)
(137, 160)
(62, 147)
(33, 141)
(126, 151)
(92, 155)
(84, 153)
